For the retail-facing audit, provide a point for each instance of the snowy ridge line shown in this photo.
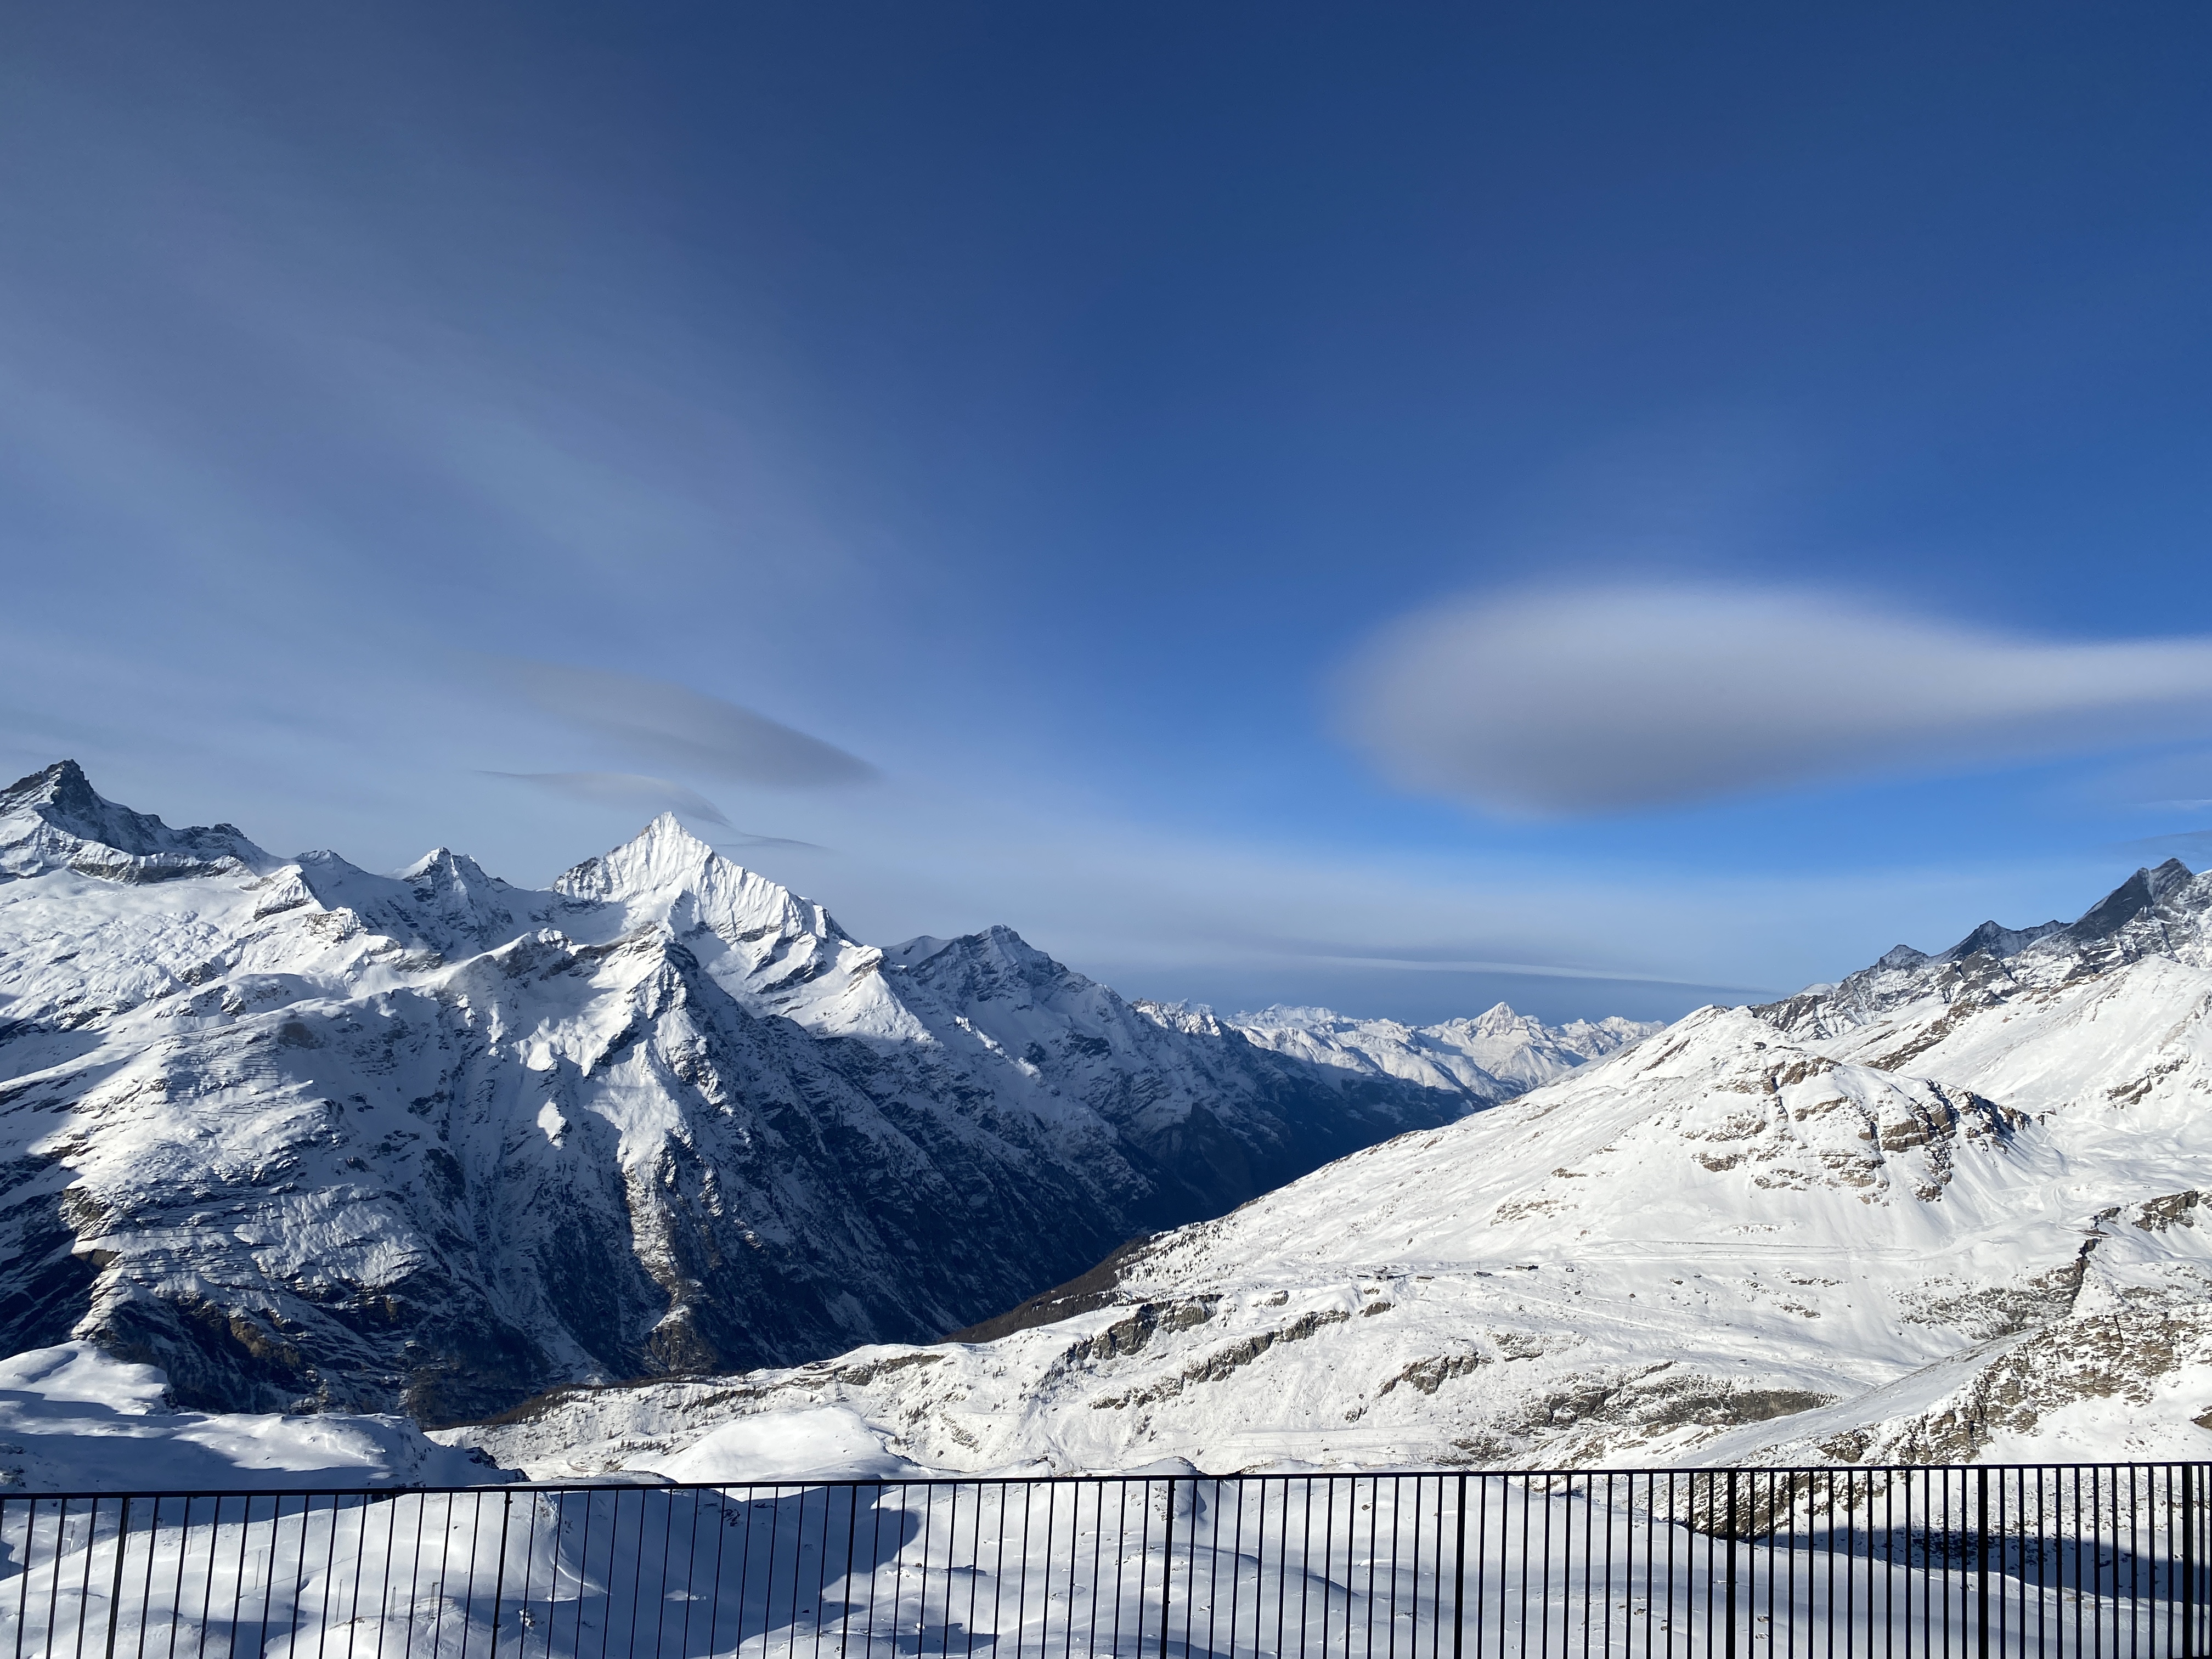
(1950, 1211)
(306, 1138)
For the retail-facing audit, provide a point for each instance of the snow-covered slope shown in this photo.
(306, 1136)
(73, 1419)
(1952, 1207)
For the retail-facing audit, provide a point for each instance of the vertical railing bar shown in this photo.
(921, 1605)
(1282, 1568)
(1525, 1482)
(876, 1560)
(84, 1588)
(975, 1557)
(845, 1601)
(2079, 1583)
(799, 1565)
(1459, 1569)
(1733, 1616)
(745, 1567)
(391, 1546)
(360, 1512)
(498, 1569)
(445, 1604)
(821, 1567)
(329, 1570)
(1544, 1630)
(2188, 1561)
(1328, 1559)
(2097, 1563)
(2134, 1563)
(23, 1590)
(1236, 1569)
(721, 1514)
(637, 1575)
(269, 1578)
(665, 1503)
(583, 1579)
(115, 1588)
(1567, 1520)
(1209, 1512)
(1306, 1563)
(1074, 1573)
(467, 1588)
(1373, 1599)
(146, 1588)
(1982, 1563)
(1022, 1575)
(523, 1616)
(54, 1573)
(2044, 1530)
(1097, 1549)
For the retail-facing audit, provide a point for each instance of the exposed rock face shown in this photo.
(1949, 1208)
(309, 1137)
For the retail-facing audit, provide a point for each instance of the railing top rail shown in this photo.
(888, 1483)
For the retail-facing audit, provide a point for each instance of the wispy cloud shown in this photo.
(1560, 702)
(624, 789)
(645, 795)
(1529, 969)
(673, 724)
(2193, 847)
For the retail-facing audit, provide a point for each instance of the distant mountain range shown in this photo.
(1953, 1207)
(310, 1138)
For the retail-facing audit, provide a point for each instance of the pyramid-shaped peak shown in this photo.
(63, 785)
(662, 854)
(668, 827)
(441, 866)
(1993, 939)
(1499, 1020)
(60, 800)
(664, 864)
(2137, 894)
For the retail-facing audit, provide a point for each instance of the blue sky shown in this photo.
(1608, 506)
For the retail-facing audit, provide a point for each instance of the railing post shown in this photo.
(499, 1576)
(2188, 1561)
(1459, 1573)
(115, 1590)
(1982, 1563)
(1729, 1640)
(1167, 1566)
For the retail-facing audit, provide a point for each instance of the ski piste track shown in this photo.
(2089, 1560)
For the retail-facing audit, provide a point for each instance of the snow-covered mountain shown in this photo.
(1952, 1207)
(306, 1136)
(1494, 1056)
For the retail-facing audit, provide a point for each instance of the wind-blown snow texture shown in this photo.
(307, 1137)
(73, 1419)
(1952, 1208)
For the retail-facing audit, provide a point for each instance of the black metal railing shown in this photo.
(2094, 1560)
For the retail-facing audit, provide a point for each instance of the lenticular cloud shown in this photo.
(1604, 700)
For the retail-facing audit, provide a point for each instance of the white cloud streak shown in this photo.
(629, 789)
(1556, 704)
(677, 726)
